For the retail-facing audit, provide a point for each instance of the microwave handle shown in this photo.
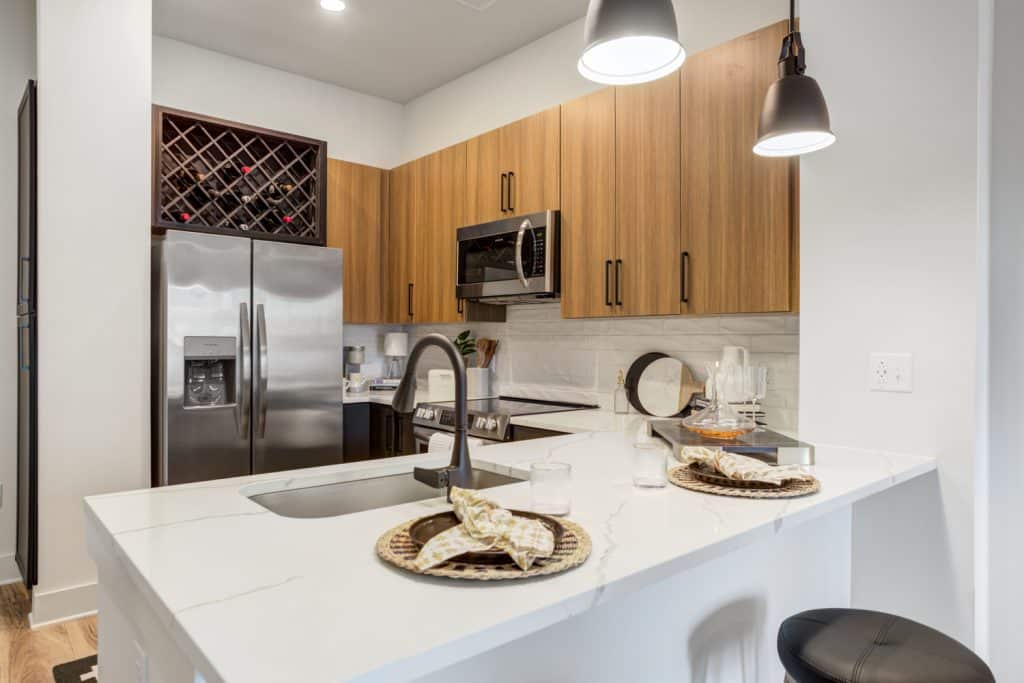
(526, 225)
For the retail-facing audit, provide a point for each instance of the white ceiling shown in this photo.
(395, 49)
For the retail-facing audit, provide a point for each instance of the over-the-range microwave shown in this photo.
(512, 260)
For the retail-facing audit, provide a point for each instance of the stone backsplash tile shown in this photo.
(544, 356)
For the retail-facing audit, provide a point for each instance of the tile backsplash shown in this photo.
(543, 356)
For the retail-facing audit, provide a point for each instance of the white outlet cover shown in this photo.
(891, 372)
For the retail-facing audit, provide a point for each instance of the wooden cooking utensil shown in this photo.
(485, 350)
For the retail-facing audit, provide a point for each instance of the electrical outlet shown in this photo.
(891, 372)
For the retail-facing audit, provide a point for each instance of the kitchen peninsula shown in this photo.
(198, 582)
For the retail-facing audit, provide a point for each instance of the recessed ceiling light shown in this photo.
(332, 5)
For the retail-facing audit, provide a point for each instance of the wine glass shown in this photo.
(755, 388)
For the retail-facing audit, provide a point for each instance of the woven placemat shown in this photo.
(683, 478)
(395, 547)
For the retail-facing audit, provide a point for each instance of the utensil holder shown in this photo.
(478, 383)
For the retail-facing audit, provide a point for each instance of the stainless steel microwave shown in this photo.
(512, 260)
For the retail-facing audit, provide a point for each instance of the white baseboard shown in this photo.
(8, 570)
(62, 605)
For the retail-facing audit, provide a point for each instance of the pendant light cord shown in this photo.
(792, 16)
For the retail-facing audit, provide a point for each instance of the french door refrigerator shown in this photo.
(247, 356)
(25, 554)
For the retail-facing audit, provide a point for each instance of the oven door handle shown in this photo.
(526, 225)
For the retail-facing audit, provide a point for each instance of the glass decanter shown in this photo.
(719, 420)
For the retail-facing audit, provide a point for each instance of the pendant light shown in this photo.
(794, 119)
(630, 41)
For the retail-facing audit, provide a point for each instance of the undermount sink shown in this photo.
(347, 497)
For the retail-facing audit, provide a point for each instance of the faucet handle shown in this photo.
(437, 478)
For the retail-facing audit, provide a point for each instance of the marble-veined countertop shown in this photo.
(252, 596)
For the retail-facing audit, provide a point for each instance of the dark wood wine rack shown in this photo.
(217, 176)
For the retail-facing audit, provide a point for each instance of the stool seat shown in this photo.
(859, 646)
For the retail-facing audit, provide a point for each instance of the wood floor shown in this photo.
(28, 656)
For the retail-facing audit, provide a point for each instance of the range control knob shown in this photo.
(479, 423)
(491, 424)
(426, 413)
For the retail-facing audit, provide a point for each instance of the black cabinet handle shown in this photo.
(408, 299)
(607, 284)
(684, 263)
(618, 282)
(461, 310)
(389, 434)
(504, 182)
(511, 192)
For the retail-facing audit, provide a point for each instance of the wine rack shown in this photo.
(211, 175)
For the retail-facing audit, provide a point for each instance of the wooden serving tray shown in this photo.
(422, 530)
(709, 475)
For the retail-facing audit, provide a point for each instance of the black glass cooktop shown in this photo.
(514, 406)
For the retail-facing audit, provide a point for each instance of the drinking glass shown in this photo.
(650, 464)
(549, 488)
(756, 388)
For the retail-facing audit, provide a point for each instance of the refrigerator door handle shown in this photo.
(244, 379)
(261, 372)
(24, 279)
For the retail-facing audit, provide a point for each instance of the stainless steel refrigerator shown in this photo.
(247, 356)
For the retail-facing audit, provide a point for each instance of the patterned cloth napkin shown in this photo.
(485, 525)
(742, 467)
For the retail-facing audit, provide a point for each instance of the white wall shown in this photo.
(1006, 509)
(543, 74)
(357, 127)
(17, 65)
(94, 204)
(889, 237)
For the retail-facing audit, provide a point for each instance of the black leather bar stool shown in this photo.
(859, 646)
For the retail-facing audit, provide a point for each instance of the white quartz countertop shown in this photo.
(252, 596)
(368, 396)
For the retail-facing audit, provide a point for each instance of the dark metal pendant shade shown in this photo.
(630, 41)
(794, 119)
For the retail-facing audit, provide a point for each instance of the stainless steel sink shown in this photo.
(346, 497)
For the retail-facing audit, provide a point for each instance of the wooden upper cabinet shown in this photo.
(588, 205)
(529, 151)
(739, 219)
(356, 197)
(648, 189)
(514, 170)
(400, 245)
(441, 210)
(485, 182)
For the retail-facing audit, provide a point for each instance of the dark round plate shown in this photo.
(425, 529)
(708, 475)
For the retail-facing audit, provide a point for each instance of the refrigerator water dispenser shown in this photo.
(210, 371)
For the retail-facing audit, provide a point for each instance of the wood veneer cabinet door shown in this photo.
(529, 151)
(484, 183)
(401, 244)
(738, 218)
(355, 224)
(648, 188)
(588, 205)
(514, 170)
(441, 210)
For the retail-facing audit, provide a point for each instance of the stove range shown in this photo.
(489, 418)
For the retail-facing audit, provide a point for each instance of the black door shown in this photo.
(28, 471)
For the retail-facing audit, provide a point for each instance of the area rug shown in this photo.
(79, 671)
